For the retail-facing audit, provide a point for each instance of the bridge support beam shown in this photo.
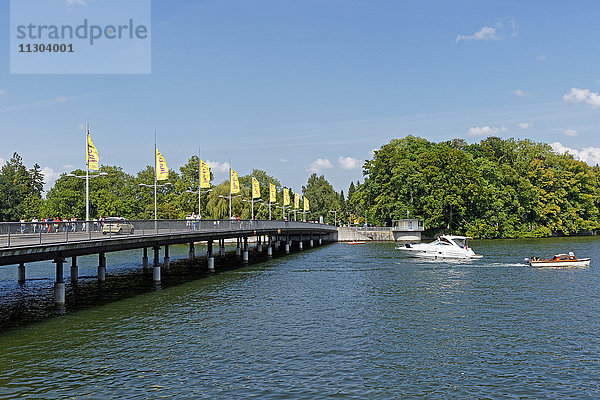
(167, 259)
(101, 267)
(21, 273)
(145, 259)
(238, 249)
(192, 253)
(59, 285)
(245, 252)
(155, 265)
(74, 270)
(209, 257)
(221, 247)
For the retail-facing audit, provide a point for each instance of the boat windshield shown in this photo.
(460, 242)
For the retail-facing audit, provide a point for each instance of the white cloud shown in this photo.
(521, 93)
(485, 33)
(589, 155)
(506, 27)
(50, 175)
(349, 163)
(80, 2)
(283, 160)
(485, 130)
(319, 164)
(570, 132)
(218, 166)
(586, 96)
(524, 125)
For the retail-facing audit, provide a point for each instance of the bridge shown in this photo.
(22, 243)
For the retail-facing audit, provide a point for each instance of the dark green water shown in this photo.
(338, 322)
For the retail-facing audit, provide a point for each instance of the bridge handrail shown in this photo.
(14, 234)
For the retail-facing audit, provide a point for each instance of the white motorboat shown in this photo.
(559, 260)
(445, 246)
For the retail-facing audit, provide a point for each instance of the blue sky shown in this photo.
(293, 87)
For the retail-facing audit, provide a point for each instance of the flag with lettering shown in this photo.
(272, 193)
(306, 204)
(296, 200)
(92, 158)
(234, 183)
(162, 171)
(286, 197)
(204, 175)
(255, 188)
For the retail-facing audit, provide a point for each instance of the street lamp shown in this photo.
(230, 197)
(334, 217)
(199, 193)
(87, 178)
(252, 202)
(155, 186)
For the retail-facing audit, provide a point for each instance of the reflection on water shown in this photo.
(340, 321)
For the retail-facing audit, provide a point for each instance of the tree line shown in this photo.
(497, 188)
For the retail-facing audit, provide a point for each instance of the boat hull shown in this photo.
(583, 262)
(434, 255)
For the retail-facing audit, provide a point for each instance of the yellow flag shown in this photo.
(92, 158)
(255, 188)
(234, 183)
(204, 175)
(286, 197)
(296, 200)
(306, 204)
(162, 171)
(272, 193)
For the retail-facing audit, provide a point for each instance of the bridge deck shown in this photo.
(32, 242)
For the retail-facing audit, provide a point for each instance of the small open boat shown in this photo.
(559, 260)
(356, 242)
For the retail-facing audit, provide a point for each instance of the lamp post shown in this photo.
(156, 186)
(334, 217)
(87, 178)
(230, 197)
(252, 202)
(199, 193)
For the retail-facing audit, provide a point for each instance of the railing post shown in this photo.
(9, 235)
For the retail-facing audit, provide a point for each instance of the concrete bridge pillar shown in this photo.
(59, 285)
(222, 247)
(192, 254)
(320, 240)
(238, 249)
(300, 243)
(245, 252)
(277, 243)
(145, 259)
(312, 244)
(287, 245)
(156, 266)
(101, 267)
(74, 270)
(269, 247)
(259, 244)
(167, 259)
(209, 256)
(21, 273)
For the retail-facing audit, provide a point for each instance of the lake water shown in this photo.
(337, 321)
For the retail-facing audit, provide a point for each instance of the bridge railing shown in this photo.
(13, 234)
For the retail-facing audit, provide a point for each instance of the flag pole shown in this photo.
(87, 172)
(155, 180)
(199, 185)
(230, 183)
